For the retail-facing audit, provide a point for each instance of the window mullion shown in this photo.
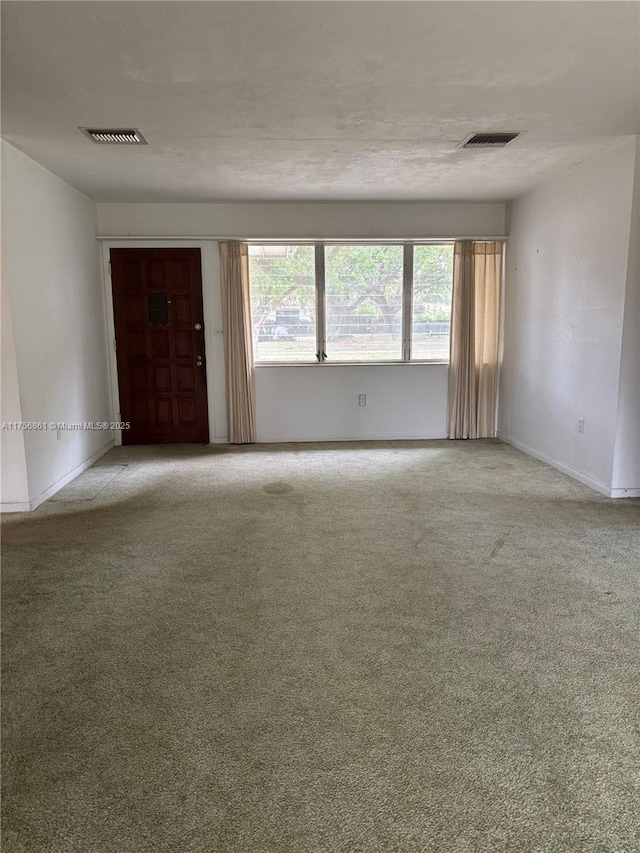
(321, 334)
(407, 300)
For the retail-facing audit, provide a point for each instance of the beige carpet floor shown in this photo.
(426, 647)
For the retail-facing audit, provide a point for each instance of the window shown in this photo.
(350, 302)
(283, 296)
(363, 295)
(431, 314)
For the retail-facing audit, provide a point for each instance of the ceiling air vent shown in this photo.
(488, 140)
(115, 136)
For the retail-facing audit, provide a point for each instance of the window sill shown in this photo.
(351, 363)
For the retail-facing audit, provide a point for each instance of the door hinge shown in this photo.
(115, 345)
(109, 267)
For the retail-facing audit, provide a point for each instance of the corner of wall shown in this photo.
(14, 489)
(626, 463)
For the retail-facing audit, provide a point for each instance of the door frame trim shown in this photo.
(213, 340)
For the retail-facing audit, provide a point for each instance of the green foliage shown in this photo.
(432, 314)
(432, 277)
(361, 281)
(283, 281)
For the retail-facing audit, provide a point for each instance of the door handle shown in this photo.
(198, 361)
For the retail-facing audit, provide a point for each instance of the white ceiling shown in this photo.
(317, 100)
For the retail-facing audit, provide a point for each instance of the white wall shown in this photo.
(626, 463)
(564, 307)
(314, 403)
(50, 267)
(321, 403)
(303, 220)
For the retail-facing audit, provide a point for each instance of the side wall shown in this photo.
(50, 267)
(566, 277)
(314, 403)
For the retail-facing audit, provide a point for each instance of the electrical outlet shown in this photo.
(580, 424)
(362, 399)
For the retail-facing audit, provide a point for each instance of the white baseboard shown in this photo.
(24, 506)
(15, 506)
(585, 479)
(278, 439)
(625, 493)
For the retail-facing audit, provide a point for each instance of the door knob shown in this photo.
(197, 327)
(198, 361)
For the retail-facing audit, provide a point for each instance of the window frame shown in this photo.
(408, 247)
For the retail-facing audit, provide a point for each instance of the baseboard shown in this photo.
(271, 439)
(585, 479)
(15, 506)
(625, 493)
(34, 503)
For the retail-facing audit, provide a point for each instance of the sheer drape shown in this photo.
(475, 319)
(238, 342)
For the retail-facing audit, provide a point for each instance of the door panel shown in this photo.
(157, 301)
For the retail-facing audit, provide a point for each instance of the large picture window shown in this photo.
(350, 302)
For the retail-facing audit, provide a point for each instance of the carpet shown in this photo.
(393, 647)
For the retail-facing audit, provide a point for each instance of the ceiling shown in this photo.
(285, 101)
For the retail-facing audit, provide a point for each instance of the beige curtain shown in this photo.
(475, 320)
(238, 342)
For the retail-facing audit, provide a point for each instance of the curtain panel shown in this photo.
(475, 324)
(238, 342)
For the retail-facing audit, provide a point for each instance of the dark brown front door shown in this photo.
(157, 302)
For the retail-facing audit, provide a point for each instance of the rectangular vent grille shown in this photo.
(115, 136)
(488, 140)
